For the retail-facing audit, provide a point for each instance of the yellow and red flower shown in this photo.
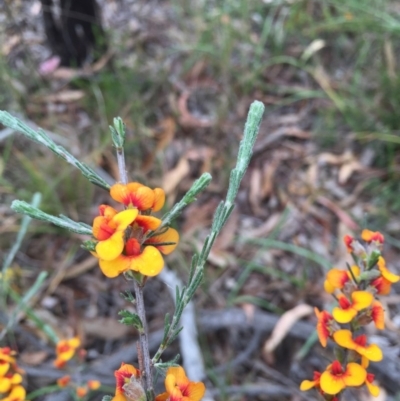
(344, 338)
(372, 236)
(381, 285)
(145, 257)
(138, 196)
(93, 384)
(109, 229)
(336, 378)
(180, 388)
(347, 310)
(336, 279)
(123, 376)
(65, 350)
(64, 381)
(9, 380)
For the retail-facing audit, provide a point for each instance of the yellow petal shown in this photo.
(113, 268)
(361, 299)
(149, 263)
(328, 287)
(330, 384)
(176, 376)
(307, 385)
(16, 378)
(162, 397)
(343, 316)
(111, 248)
(344, 338)
(388, 275)
(3, 370)
(372, 352)
(124, 218)
(355, 375)
(5, 384)
(372, 388)
(74, 342)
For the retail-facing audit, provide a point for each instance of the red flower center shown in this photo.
(361, 340)
(344, 303)
(132, 247)
(336, 368)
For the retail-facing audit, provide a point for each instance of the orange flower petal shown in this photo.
(171, 235)
(162, 397)
(93, 384)
(148, 223)
(176, 376)
(149, 263)
(133, 194)
(159, 199)
(378, 315)
(355, 375)
(195, 391)
(337, 278)
(328, 287)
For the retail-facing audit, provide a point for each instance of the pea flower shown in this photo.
(347, 310)
(65, 350)
(336, 279)
(17, 393)
(138, 196)
(63, 381)
(377, 315)
(9, 380)
(372, 236)
(109, 229)
(345, 339)
(180, 388)
(325, 326)
(336, 378)
(123, 377)
(348, 240)
(381, 285)
(145, 257)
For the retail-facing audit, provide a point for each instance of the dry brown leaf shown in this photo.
(104, 327)
(347, 170)
(255, 190)
(172, 178)
(33, 358)
(65, 96)
(340, 213)
(282, 327)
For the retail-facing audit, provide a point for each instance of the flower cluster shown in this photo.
(129, 240)
(11, 388)
(355, 290)
(178, 387)
(82, 390)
